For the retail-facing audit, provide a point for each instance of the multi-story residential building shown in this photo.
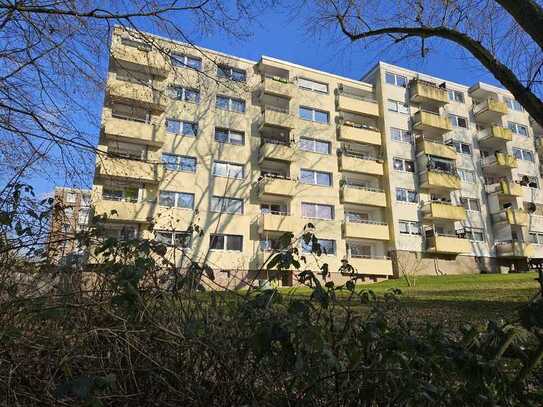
(399, 172)
(71, 214)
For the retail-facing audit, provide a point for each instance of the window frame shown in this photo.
(407, 193)
(306, 248)
(395, 81)
(316, 174)
(414, 228)
(175, 61)
(513, 105)
(184, 90)
(173, 238)
(225, 71)
(397, 104)
(467, 203)
(315, 207)
(229, 133)
(313, 89)
(230, 101)
(514, 126)
(455, 123)
(404, 162)
(402, 134)
(225, 238)
(313, 116)
(225, 202)
(454, 98)
(228, 165)
(314, 142)
(181, 127)
(523, 153)
(177, 195)
(462, 171)
(178, 162)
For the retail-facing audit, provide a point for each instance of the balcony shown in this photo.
(133, 130)
(358, 104)
(277, 117)
(443, 211)
(127, 169)
(505, 188)
(429, 147)
(371, 266)
(499, 162)
(439, 180)
(277, 86)
(271, 186)
(427, 92)
(140, 212)
(279, 222)
(431, 123)
(358, 163)
(514, 249)
(351, 194)
(148, 61)
(495, 136)
(366, 230)
(139, 94)
(350, 132)
(489, 111)
(447, 244)
(514, 217)
(276, 150)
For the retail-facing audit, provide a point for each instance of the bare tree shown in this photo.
(409, 265)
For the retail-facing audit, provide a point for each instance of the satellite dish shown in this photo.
(531, 208)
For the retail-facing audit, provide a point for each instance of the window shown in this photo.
(512, 104)
(71, 197)
(314, 115)
(127, 150)
(129, 42)
(359, 250)
(315, 177)
(276, 209)
(470, 204)
(123, 233)
(230, 170)
(518, 129)
(176, 239)
(455, 96)
(83, 216)
(475, 234)
(401, 135)
(467, 175)
(229, 136)
(462, 148)
(223, 204)
(226, 242)
(397, 106)
(317, 211)
(128, 194)
(234, 74)
(401, 164)
(327, 246)
(134, 77)
(395, 79)
(127, 112)
(535, 237)
(406, 195)
(528, 181)
(183, 163)
(272, 244)
(181, 127)
(176, 199)
(308, 84)
(356, 217)
(521, 154)
(186, 61)
(185, 94)
(458, 121)
(85, 200)
(408, 227)
(315, 146)
(230, 104)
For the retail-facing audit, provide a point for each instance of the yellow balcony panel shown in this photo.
(152, 61)
(360, 165)
(517, 217)
(134, 131)
(276, 151)
(431, 123)
(278, 87)
(447, 245)
(362, 196)
(276, 187)
(363, 230)
(269, 222)
(495, 136)
(440, 180)
(436, 149)
(514, 249)
(509, 188)
(378, 266)
(135, 93)
(276, 117)
(127, 169)
(357, 104)
(499, 162)
(426, 92)
(489, 111)
(141, 212)
(443, 211)
(359, 134)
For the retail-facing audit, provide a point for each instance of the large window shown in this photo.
(314, 145)
(229, 136)
(226, 242)
(467, 176)
(314, 115)
(397, 106)
(401, 135)
(223, 204)
(130, 42)
(230, 104)
(185, 94)
(186, 61)
(225, 169)
(475, 234)
(522, 154)
(173, 199)
(512, 104)
(181, 127)
(176, 239)
(455, 96)
(315, 177)
(408, 227)
(327, 246)
(317, 211)
(471, 204)
(308, 84)
(458, 121)
(128, 112)
(126, 194)
(273, 208)
(518, 129)
(83, 216)
(173, 162)
(406, 195)
(401, 164)
(535, 237)
(395, 79)
(460, 147)
(234, 74)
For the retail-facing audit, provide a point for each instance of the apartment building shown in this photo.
(71, 214)
(398, 172)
